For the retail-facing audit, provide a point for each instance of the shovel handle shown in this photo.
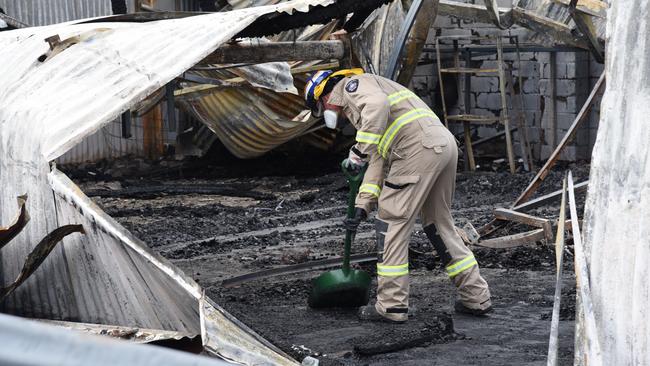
(354, 181)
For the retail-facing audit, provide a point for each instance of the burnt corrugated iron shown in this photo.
(46, 12)
(251, 121)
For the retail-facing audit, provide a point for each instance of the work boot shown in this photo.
(370, 313)
(460, 308)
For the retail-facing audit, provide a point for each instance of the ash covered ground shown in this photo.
(220, 218)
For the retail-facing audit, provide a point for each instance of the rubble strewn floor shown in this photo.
(224, 219)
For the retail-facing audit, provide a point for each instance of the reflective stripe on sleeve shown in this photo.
(373, 189)
(397, 124)
(368, 138)
(458, 267)
(400, 96)
(392, 271)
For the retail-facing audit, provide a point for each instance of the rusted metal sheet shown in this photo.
(251, 121)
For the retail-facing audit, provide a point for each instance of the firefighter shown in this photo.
(411, 160)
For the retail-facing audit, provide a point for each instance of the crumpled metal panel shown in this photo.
(379, 35)
(251, 121)
(222, 335)
(32, 343)
(131, 334)
(106, 276)
(46, 12)
(560, 13)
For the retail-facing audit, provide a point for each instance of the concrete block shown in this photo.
(490, 101)
(531, 85)
(532, 118)
(544, 87)
(483, 84)
(565, 87)
(564, 121)
(565, 57)
(528, 69)
(532, 102)
(568, 105)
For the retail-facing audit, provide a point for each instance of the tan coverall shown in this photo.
(412, 168)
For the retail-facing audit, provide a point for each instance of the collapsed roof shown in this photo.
(67, 81)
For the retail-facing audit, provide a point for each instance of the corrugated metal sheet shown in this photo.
(107, 143)
(30, 343)
(46, 12)
(46, 108)
(252, 121)
(617, 212)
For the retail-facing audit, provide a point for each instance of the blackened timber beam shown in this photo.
(514, 240)
(253, 52)
(514, 216)
(548, 199)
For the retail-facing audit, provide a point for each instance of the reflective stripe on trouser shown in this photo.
(399, 206)
(461, 266)
(373, 189)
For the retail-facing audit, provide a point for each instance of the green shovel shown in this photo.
(343, 287)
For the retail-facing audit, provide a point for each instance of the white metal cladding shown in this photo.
(107, 143)
(106, 276)
(57, 346)
(617, 214)
(46, 12)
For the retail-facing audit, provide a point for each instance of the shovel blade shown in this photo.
(340, 289)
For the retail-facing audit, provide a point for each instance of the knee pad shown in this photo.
(438, 244)
(380, 227)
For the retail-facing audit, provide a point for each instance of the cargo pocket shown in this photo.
(432, 138)
(395, 201)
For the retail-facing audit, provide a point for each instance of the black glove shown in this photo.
(353, 223)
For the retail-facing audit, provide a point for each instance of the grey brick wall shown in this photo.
(576, 73)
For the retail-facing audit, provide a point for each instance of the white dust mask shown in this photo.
(331, 118)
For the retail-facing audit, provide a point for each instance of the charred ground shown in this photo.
(220, 218)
